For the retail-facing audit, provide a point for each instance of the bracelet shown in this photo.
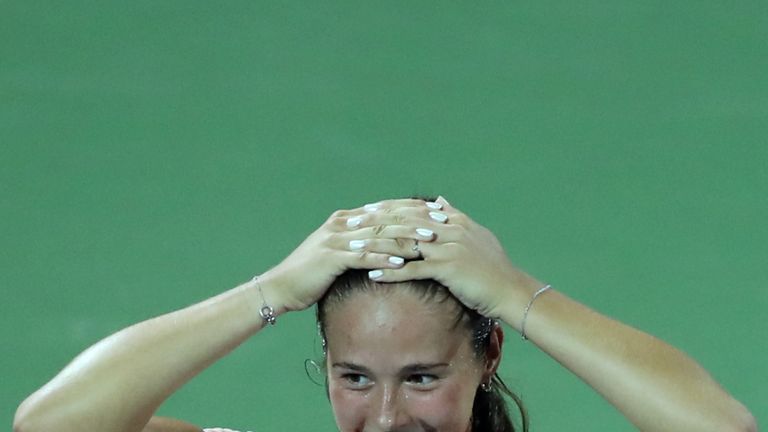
(266, 311)
(528, 308)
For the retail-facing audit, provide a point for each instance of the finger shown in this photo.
(413, 217)
(371, 260)
(349, 219)
(413, 270)
(368, 220)
(454, 215)
(405, 248)
(404, 214)
(421, 233)
(386, 205)
(392, 204)
(434, 205)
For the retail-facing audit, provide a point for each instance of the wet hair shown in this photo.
(489, 410)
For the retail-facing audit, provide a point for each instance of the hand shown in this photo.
(376, 236)
(468, 259)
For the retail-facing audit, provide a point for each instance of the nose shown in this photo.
(390, 410)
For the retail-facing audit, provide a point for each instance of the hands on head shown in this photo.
(399, 240)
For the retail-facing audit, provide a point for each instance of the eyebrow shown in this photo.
(412, 368)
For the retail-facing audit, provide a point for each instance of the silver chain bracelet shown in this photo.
(266, 312)
(528, 308)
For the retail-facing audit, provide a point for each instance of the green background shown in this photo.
(155, 153)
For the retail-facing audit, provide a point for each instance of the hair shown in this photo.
(489, 410)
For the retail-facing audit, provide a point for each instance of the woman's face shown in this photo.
(397, 363)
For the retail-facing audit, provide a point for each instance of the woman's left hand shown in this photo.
(468, 259)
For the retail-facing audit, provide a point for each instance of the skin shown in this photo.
(119, 382)
(398, 364)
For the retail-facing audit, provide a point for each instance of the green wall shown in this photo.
(155, 153)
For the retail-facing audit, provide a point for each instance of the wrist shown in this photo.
(265, 297)
(522, 288)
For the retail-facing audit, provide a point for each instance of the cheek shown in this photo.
(448, 408)
(348, 408)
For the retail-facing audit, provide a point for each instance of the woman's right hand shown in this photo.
(343, 242)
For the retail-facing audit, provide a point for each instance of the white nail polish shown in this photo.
(354, 222)
(396, 260)
(428, 233)
(371, 207)
(434, 205)
(375, 274)
(356, 244)
(440, 217)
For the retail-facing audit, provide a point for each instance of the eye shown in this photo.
(421, 379)
(356, 380)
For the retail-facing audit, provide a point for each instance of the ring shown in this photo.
(416, 249)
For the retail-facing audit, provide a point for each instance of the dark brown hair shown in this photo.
(489, 411)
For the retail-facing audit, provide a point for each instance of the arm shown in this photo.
(118, 383)
(164, 424)
(656, 386)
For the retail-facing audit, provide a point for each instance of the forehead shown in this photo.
(395, 327)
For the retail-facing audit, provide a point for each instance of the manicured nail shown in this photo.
(375, 274)
(427, 233)
(356, 244)
(440, 217)
(434, 205)
(442, 198)
(396, 260)
(371, 207)
(354, 222)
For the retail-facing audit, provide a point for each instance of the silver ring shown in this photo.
(415, 248)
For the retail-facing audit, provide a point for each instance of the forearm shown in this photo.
(165, 424)
(118, 383)
(656, 386)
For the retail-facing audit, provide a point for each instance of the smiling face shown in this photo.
(397, 362)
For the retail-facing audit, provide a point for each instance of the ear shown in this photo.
(493, 352)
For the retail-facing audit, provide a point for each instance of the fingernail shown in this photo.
(375, 274)
(424, 232)
(354, 222)
(396, 260)
(440, 217)
(434, 205)
(371, 207)
(356, 244)
(442, 198)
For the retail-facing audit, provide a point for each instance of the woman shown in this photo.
(394, 358)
